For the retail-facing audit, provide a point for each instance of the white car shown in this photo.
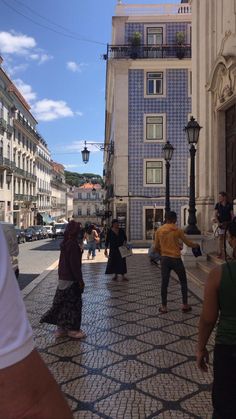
(60, 229)
(49, 230)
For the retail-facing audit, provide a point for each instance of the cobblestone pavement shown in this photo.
(134, 363)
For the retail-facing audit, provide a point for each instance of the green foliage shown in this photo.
(78, 179)
(136, 38)
(180, 37)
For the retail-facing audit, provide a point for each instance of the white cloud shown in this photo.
(73, 66)
(70, 166)
(79, 113)
(49, 110)
(26, 90)
(12, 70)
(16, 43)
(41, 57)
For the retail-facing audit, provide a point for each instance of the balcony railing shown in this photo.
(44, 191)
(10, 129)
(152, 9)
(7, 163)
(149, 51)
(24, 197)
(3, 124)
(25, 174)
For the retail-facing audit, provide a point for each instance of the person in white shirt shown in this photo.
(27, 388)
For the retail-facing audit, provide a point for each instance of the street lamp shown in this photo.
(101, 146)
(168, 152)
(192, 131)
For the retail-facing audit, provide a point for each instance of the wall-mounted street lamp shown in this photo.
(101, 146)
(192, 131)
(8, 177)
(168, 153)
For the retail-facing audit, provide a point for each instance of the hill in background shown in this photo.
(78, 179)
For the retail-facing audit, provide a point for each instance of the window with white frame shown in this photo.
(154, 172)
(155, 36)
(153, 217)
(154, 128)
(154, 83)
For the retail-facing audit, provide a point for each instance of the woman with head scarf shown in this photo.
(115, 238)
(66, 309)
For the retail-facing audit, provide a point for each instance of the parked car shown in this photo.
(60, 229)
(45, 232)
(10, 234)
(38, 230)
(20, 234)
(30, 234)
(49, 230)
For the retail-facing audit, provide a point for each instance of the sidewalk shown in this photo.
(134, 363)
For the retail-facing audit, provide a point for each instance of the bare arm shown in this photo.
(208, 317)
(28, 390)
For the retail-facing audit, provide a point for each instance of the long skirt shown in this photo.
(66, 310)
(116, 264)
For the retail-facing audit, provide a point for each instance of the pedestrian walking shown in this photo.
(223, 215)
(92, 240)
(115, 238)
(28, 390)
(168, 240)
(219, 303)
(66, 310)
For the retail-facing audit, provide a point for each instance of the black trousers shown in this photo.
(224, 382)
(167, 265)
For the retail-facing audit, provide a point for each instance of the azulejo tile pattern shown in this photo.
(134, 363)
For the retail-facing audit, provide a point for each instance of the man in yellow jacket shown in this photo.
(168, 240)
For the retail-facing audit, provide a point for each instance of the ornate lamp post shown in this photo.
(168, 152)
(85, 154)
(192, 131)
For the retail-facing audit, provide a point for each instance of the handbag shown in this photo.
(125, 251)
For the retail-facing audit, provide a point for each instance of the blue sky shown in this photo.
(62, 77)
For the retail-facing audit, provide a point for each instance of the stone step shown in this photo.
(212, 257)
(206, 266)
(197, 276)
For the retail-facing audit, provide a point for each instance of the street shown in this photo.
(35, 257)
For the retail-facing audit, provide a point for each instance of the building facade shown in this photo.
(58, 189)
(214, 102)
(148, 102)
(43, 173)
(88, 203)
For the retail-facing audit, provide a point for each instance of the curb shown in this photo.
(33, 284)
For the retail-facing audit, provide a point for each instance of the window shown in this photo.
(154, 172)
(155, 36)
(88, 197)
(9, 151)
(88, 211)
(1, 147)
(79, 195)
(154, 128)
(153, 217)
(155, 83)
(79, 211)
(1, 180)
(19, 160)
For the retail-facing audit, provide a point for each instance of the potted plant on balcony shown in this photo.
(135, 41)
(180, 41)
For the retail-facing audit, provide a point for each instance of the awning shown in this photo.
(45, 218)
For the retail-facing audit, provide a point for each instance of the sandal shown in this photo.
(60, 333)
(162, 310)
(76, 334)
(186, 309)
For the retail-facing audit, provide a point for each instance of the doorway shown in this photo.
(230, 133)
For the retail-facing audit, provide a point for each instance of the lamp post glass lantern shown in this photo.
(192, 131)
(85, 154)
(168, 153)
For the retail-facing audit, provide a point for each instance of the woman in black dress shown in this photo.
(66, 309)
(116, 264)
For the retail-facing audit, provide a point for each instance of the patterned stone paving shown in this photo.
(134, 363)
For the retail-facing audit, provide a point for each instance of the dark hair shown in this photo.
(114, 221)
(222, 193)
(171, 217)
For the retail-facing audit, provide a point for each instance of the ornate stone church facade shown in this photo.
(214, 102)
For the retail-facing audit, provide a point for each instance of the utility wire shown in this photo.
(34, 12)
(78, 38)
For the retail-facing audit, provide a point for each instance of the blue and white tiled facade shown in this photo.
(176, 105)
(145, 200)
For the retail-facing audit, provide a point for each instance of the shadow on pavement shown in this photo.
(25, 279)
(52, 245)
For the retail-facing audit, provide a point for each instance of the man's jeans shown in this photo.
(92, 248)
(167, 265)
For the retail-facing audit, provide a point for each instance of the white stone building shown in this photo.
(214, 101)
(43, 173)
(88, 203)
(58, 188)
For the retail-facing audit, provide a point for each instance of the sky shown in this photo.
(60, 71)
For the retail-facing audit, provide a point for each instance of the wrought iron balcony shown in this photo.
(7, 163)
(25, 198)
(10, 129)
(149, 51)
(3, 124)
